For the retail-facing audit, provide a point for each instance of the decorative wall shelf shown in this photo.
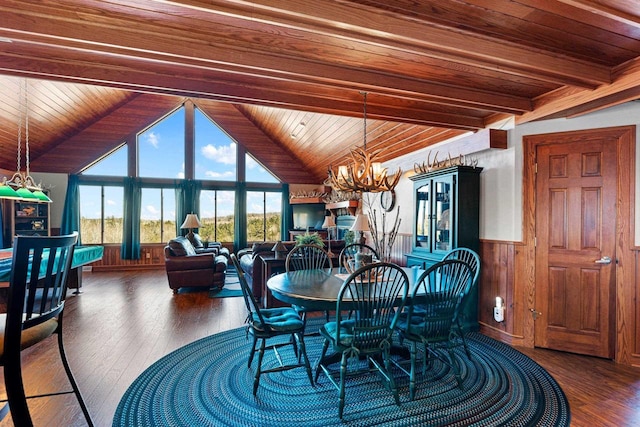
(301, 200)
(350, 206)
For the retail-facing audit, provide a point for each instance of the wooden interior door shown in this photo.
(575, 238)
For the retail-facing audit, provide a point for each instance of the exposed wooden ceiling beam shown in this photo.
(354, 21)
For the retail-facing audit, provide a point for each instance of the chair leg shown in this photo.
(464, 341)
(303, 350)
(16, 398)
(392, 381)
(343, 377)
(454, 365)
(325, 347)
(256, 378)
(72, 380)
(412, 375)
(252, 352)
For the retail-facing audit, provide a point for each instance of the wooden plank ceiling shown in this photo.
(286, 77)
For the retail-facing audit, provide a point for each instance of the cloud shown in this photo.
(225, 154)
(214, 174)
(111, 202)
(251, 163)
(153, 139)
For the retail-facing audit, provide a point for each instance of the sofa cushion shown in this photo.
(196, 241)
(180, 246)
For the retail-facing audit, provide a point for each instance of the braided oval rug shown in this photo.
(207, 383)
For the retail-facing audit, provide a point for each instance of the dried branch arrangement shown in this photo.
(383, 232)
(435, 164)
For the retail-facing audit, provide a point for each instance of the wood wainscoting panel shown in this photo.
(499, 278)
(151, 257)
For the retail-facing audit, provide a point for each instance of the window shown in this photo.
(101, 214)
(157, 215)
(161, 148)
(217, 215)
(255, 172)
(113, 164)
(215, 151)
(264, 211)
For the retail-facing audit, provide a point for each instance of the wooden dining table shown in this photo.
(316, 289)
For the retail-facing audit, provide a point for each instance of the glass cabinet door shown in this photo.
(441, 210)
(423, 217)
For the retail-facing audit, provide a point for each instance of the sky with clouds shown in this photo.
(161, 153)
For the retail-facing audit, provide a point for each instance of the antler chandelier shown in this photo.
(363, 174)
(21, 186)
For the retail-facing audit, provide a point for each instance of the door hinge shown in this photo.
(535, 242)
(536, 167)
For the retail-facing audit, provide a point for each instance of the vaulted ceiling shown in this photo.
(285, 78)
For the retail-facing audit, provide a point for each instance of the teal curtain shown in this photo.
(286, 220)
(240, 231)
(187, 201)
(130, 248)
(71, 210)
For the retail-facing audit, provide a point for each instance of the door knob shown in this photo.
(604, 260)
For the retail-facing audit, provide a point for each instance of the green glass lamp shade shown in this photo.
(41, 196)
(7, 192)
(25, 194)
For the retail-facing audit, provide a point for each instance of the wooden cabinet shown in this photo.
(27, 219)
(446, 216)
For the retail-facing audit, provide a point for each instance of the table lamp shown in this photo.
(361, 224)
(329, 223)
(279, 249)
(191, 222)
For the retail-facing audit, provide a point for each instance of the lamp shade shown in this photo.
(41, 196)
(191, 221)
(7, 192)
(27, 195)
(361, 223)
(279, 247)
(328, 222)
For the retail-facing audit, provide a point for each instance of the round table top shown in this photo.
(313, 289)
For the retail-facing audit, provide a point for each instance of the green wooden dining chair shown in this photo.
(267, 323)
(372, 295)
(308, 257)
(430, 317)
(348, 254)
(473, 259)
(35, 305)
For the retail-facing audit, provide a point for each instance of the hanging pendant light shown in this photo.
(364, 174)
(21, 186)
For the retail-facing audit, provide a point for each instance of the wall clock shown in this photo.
(388, 200)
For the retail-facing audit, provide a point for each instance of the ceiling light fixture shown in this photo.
(363, 174)
(21, 186)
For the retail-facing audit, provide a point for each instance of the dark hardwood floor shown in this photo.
(124, 321)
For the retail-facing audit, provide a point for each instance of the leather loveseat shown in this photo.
(252, 266)
(186, 268)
